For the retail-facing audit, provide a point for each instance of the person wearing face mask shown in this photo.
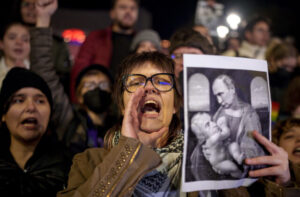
(83, 125)
(93, 115)
(93, 84)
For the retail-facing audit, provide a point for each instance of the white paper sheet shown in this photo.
(234, 94)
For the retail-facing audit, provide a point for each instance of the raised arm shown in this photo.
(42, 64)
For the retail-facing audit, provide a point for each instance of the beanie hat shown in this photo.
(18, 78)
(145, 35)
(98, 67)
(187, 37)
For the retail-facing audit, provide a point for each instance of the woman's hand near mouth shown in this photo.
(131, 122)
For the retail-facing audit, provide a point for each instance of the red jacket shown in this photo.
(97, 49)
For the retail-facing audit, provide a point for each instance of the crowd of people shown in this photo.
(111, 123)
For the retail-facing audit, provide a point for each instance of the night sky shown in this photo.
(168, 15)
(171, 14)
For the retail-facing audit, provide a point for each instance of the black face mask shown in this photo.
(97, 100)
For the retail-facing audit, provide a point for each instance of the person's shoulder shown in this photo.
(248, 110)
(244, 105)
(229, 53)
(90, 152)
(100, 32)
(94, 155)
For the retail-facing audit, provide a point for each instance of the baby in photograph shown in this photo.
(223, 156)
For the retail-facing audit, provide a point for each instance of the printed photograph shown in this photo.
(223, 106)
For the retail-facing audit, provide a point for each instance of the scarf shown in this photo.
(165, 179)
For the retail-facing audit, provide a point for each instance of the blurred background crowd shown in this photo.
(223, 23)
(89, 39)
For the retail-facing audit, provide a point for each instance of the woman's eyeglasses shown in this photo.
(163, 82)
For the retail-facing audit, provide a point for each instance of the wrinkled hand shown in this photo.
(278, 161)
(131, 122)
(45, 9)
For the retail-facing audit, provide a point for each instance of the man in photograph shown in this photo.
(241, 117)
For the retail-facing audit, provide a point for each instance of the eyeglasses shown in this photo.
(177, 57)
(163, 82)
(92, 85)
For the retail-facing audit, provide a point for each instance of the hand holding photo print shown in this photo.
(226, 99)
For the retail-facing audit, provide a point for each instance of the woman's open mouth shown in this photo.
(30, 123)
(150, 108)
(296, 152)
(18, 51)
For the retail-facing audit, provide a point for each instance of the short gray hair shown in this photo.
(228, 81)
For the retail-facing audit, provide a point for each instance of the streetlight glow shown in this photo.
(233, 20)
(222, 31)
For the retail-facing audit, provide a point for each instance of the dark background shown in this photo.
(168, 15)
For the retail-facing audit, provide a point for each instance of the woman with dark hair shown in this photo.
(286, 134)
(32, 162)
(24, 11)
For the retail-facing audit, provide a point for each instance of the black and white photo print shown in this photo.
(225, 100)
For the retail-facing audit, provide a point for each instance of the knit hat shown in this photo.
(18, 78)
(187, 37)
(145, 35)
(98, 67)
